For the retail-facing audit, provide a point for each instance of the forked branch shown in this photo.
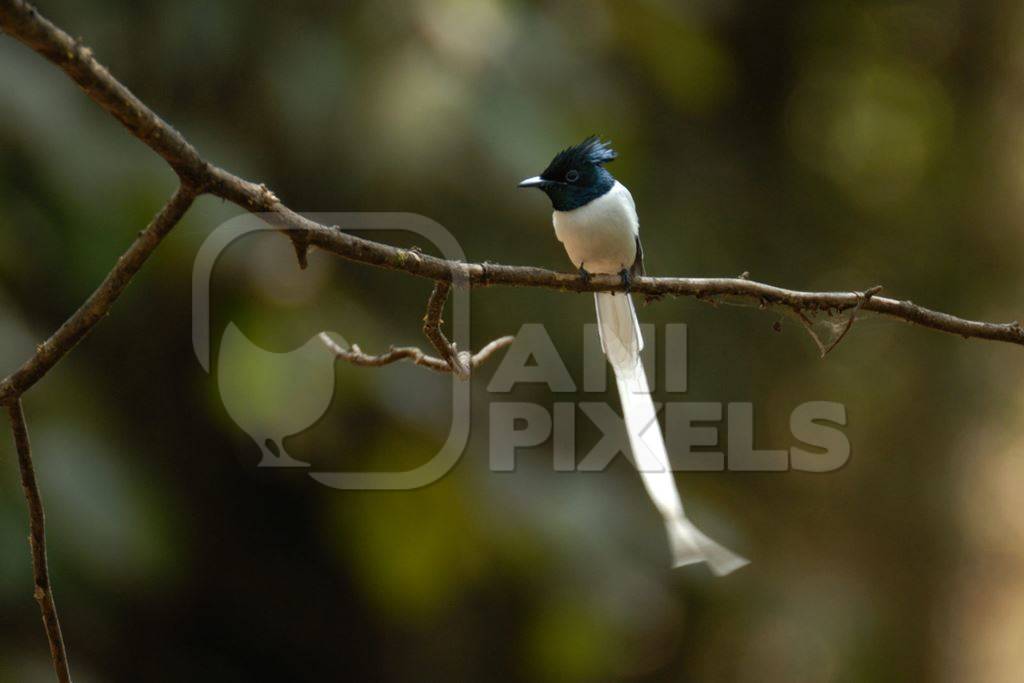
(356, 356)
(459, 363)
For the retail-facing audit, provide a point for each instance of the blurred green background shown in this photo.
(831, 145)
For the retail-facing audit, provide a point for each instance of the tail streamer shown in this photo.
(621, 342)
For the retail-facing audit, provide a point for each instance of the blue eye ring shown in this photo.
(572, 176)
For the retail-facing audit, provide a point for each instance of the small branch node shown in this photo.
(300, 242)
(863, 297)
(268, 195)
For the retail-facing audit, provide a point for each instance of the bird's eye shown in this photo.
(572, 176)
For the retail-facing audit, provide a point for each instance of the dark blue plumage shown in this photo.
(576, 176)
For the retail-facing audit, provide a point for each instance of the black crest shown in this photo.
(589, 153)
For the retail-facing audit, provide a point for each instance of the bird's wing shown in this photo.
(630, 206)
(638, 264)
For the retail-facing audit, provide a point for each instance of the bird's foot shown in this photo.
(584, 275)
(627, 280)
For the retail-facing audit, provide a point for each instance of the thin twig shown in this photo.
(865, 296)
(356, 356)
(809, 326)
(432, 329)
(43, 592)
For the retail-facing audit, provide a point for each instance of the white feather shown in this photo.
(621, 341)
(601, 237)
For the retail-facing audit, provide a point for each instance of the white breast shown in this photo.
(601, 236)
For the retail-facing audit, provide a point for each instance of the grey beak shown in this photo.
(535, 181)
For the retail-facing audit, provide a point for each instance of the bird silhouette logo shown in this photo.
(272, 396)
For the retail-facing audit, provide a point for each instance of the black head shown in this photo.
(576, 176)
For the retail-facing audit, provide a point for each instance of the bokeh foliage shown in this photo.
(831, 145)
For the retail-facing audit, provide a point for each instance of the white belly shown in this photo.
(600, 236)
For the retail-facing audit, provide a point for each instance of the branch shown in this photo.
(458, 363)
(99, 302)
(22, 21)
(37, 541)
(864, 298)
(432, 329)
(356, 356)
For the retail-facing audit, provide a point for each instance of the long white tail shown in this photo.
(621, 342)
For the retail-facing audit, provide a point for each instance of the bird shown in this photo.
(595, 219)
